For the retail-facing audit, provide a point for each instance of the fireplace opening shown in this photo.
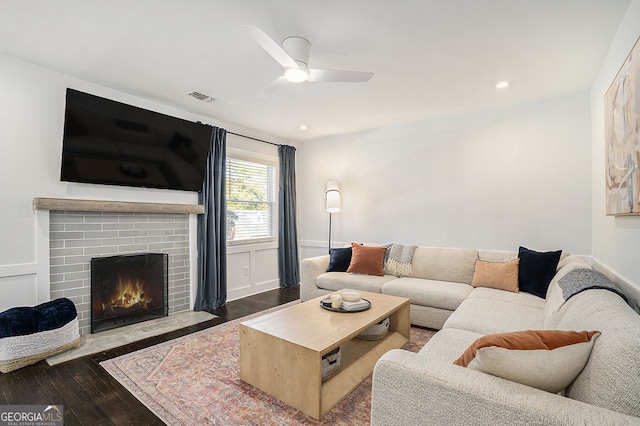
(128, 289)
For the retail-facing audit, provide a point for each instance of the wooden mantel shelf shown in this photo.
(70, 204)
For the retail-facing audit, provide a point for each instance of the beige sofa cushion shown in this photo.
(497, 255)
(334, 281)
(447, 345)
(611, 378)
(493, 316)
(506, 256)
(524, 299)
(444, 264)
(437, 294)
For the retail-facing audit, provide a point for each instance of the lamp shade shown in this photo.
(333, 197)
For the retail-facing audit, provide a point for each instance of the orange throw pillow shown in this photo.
(502, 276)
(367, 260)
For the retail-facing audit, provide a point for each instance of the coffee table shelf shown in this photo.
(358, 359)
(281, 353)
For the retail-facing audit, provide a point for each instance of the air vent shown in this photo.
(200, 96)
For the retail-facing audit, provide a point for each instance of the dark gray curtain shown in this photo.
(288, 266)
(212, 228)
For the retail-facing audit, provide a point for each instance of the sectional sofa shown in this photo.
(446, 292)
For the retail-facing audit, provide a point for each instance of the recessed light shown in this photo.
(303, 127)
(502, 85)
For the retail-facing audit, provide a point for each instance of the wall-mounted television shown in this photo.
(108, 142)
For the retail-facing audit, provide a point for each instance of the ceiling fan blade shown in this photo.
(272, 48)
(328, 76)
(272, 87)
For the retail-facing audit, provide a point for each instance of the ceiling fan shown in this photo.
(293, 55)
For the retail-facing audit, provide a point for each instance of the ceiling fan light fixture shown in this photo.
(296, 75)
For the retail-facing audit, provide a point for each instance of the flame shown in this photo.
(129, 293)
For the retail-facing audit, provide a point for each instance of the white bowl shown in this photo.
(350, 296)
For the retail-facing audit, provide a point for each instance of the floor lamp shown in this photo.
(333, 202)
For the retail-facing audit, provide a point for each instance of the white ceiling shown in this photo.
(432, 58)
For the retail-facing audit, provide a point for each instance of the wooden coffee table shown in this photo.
(281, 353)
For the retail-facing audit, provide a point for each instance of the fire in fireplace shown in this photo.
(128, 289)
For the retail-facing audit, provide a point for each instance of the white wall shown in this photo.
(616, 240)
(32, 109)
(496, 179)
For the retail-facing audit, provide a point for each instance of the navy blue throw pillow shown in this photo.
(536, 270)
(339, 259)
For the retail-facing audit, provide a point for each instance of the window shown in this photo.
(250, 199)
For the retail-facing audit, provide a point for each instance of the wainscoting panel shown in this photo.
(251, 269)
(238, 271)
(18, 286)
(311, 248)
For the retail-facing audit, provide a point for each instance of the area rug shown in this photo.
(195, 379)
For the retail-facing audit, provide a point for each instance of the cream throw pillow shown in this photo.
(502, 276)
(545, 359)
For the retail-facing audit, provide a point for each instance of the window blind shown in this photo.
(250, 191)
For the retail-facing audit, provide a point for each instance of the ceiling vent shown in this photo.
(200, 96)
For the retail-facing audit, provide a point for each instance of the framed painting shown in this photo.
(622, 138)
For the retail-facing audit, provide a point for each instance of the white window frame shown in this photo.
(253, 157)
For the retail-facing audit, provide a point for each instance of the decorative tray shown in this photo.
(326, 304)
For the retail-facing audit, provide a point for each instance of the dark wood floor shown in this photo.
(90, 395)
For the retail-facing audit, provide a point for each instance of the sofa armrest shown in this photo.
(411, 389)
(310, 269)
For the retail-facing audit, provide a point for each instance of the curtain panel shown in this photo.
(212, 228)
(288, 265)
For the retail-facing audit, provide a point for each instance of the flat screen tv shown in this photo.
(108, 142)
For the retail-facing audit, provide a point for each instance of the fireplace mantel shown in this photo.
(70, 204)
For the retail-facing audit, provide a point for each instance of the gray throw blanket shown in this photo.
(398, 260)
(580, 280)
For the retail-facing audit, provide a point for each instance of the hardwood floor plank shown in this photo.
(90, 395)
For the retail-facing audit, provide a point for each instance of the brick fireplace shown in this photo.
(92, 229)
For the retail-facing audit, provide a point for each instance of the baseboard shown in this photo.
(239, 293)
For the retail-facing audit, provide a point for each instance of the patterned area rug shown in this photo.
(195, 379)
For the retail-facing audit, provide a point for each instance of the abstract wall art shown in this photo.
(622, 138)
